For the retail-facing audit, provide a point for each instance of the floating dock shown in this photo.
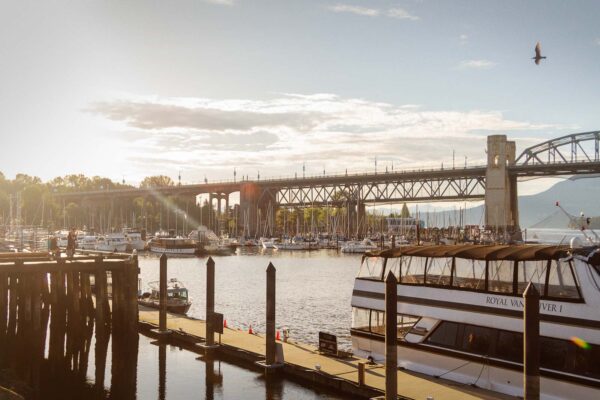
(306, 363)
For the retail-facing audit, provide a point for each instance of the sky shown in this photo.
(203, 88)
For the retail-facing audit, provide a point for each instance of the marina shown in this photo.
(309, 200)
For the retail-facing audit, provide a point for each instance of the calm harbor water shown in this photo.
(314, 289)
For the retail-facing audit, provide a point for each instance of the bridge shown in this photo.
(495, 182)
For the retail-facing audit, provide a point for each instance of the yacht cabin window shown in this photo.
(532, 271)
(555, 354)
(561, 281)
(394, 265)
(372, 267)
(469, 274)
(374, 321)
(500, 276)
(413, 270)
(360, 319)
(439, 271)
(496, 276)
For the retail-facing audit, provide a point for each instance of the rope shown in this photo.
(452, 370)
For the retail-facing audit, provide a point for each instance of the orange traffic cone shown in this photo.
(250, 331)
(224, 323)
(277, 337)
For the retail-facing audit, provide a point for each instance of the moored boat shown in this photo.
(460, 314)
(354, 246)
(135, 239)
(297, 244)
(173, 245)
(114, 242)
(177, 296)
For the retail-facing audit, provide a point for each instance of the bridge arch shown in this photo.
(565, 149)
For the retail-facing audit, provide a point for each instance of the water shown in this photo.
(98, 369)
(554, 236)
(314, 289)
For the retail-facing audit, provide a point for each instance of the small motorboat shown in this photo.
(178, 301)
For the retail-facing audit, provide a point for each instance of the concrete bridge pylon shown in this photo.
(501, 201)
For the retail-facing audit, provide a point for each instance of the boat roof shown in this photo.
(514, 252)
(172, 283)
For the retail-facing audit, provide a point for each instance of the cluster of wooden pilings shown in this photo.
(52, 310)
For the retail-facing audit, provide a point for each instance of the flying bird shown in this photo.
(538, 54)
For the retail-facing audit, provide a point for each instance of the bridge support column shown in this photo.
(249, 196)
(501, 202)
(362, 219)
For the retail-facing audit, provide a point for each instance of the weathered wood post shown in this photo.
(132, 296)
(162, 317)
(210, 301)
(393, 241)
(531, 343)
(3, 304)
(361, 373)
(270, 334)
(391, 345)
(101, 296)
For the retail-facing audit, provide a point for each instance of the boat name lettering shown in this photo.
(503, 301)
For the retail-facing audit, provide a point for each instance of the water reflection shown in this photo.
(59, 351)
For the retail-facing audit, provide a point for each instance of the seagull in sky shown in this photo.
(538, 54)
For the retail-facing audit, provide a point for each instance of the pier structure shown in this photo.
(495, 183)
(53, 309)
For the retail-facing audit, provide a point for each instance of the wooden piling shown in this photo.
(3, 304)
(162, 319)
(361, 373)
(131, 296)
(531, 343)
(101, 296)
(270, 334)
(12, 305)
(210, 302)
(391, 345)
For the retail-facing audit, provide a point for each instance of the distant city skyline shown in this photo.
(127, 90)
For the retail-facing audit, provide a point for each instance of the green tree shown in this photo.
(404, 213)
(157, 181)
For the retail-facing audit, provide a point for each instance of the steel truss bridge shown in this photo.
(575, 154)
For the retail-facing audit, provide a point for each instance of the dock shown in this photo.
(306, 363)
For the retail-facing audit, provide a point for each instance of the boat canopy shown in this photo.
(479, 252)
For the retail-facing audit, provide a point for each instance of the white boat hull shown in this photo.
(117, 248)
(166, 250)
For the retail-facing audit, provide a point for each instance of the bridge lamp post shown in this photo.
(303, 170)
(234, 174)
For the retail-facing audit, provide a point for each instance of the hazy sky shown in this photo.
(133, 88)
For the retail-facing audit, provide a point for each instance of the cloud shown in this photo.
(463, 38)
(597, 41)
(277, 135)
(220, 2)
(477, 64)
(346, 8)
(203, 115)
(397, 13)
(400, 13)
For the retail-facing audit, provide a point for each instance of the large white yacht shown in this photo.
(114, 242)
(135, 239)
(460, 311)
